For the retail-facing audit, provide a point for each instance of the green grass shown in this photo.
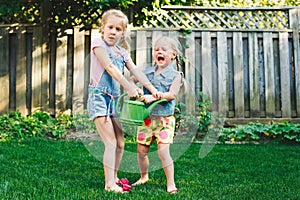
(39, 169)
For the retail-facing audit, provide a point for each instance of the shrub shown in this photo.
(204, 125)
(197, 126)
(40, 124)
(282, 132)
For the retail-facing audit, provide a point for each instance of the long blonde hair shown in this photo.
(125, 39)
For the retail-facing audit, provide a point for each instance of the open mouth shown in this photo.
(160, 58)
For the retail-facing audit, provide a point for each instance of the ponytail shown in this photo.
(179, 69)
(125, 40)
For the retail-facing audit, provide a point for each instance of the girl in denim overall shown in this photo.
(108, 60)
(160, 125)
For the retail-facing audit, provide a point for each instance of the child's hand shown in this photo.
(140, 91)
(148, 98)
(133, 93)
(157, 95)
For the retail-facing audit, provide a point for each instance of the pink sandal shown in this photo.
(125, 184)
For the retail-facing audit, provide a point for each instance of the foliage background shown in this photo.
(87, 13)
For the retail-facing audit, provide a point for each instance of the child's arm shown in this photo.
(133, 80)
(170, 95)
(112, 70)
(139, 76)
(174, 89)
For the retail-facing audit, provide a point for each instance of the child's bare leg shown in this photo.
(120, 146)
(143, 163)
(167, 164)
(107, 134)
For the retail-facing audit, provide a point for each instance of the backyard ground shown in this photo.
(65, 169)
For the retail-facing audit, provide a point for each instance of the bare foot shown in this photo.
(114, 188)
(172, 190)
(140, 182)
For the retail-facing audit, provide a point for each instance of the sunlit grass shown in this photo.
(39, 169)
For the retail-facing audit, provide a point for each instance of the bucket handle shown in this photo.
(118, 103)
(149, 108)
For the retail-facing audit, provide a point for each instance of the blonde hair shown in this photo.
(176, 47)
(125, 39)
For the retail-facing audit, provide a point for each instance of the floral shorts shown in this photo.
(157, 128)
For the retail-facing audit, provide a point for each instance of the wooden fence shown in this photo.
(247, 74)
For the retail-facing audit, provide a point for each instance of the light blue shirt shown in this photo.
(162, 82)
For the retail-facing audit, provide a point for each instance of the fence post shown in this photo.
(238, 75)
(269, 74)
(141, 49)
(222, 73)
(61, 72)
(78, 79)
(46, 18)
(253, 75)
(190, 72)
(206, 65)
(4, 73)
(21, 72)
(295, 25)
(37, 69)
(285, 75)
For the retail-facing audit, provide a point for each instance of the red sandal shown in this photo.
(173, 191)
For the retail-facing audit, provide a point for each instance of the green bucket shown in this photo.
(133, 112)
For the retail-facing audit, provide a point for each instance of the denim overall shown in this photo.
(101, 100)
(162, 82)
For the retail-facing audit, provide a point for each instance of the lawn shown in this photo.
(40, 169)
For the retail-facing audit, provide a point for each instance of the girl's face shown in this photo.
(163, 54)
(113, 30)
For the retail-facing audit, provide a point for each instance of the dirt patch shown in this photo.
(76, 135)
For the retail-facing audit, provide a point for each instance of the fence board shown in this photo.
(141, 49)
(253, 75)
(295, 24)
(78, 82)
(155, 36)
(285, 75)
(61, 72)
(45, 73)
(296, 42)
(37, 70)
(21, 72)
(222, 72)
(206, 65)
(190, 71)
(4, 74)
(269, 74)
(238, 74)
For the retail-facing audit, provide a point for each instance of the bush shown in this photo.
(283, 132)
(40, 124)
(203, 124)
(198, 126)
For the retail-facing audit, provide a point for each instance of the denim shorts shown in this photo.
(98, 105)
